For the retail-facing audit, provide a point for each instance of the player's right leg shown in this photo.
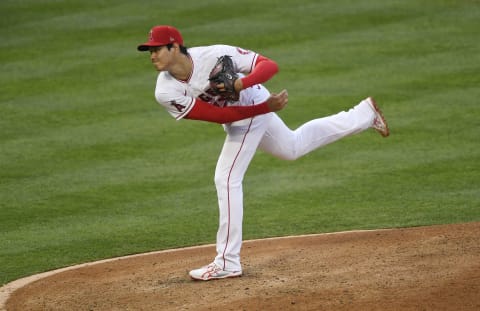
(282, 142)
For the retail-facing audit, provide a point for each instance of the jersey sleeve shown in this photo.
(177, 106)
(257, 68)
(172, 96)
(244, 60)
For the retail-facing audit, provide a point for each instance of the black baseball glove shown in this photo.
(222, 78)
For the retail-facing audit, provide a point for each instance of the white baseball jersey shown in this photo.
(178, 97)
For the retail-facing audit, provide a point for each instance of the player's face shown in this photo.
(161, 57)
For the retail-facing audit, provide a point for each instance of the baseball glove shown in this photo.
(222, 77)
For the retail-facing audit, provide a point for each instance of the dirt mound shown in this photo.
(423, 268)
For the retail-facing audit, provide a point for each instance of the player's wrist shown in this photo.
(238, 84)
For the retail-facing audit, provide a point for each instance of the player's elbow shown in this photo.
(275, 67)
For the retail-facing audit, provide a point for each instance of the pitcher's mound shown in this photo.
(424, 268)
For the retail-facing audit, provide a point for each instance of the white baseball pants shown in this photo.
(270, 134)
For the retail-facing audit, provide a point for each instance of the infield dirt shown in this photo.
(423, 268)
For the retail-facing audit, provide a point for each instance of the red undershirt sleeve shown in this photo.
(206, 112)
(263, 70)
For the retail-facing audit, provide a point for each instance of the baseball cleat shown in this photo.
(213, 272)
(379, 122)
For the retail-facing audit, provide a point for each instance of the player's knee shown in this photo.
(222, 181)
(219, 180)
(288, 155)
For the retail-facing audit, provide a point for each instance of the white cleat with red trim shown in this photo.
(379, 122)
(213, 272)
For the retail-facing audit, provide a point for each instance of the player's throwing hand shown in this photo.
(278, 101)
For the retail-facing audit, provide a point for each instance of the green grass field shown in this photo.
(91, 167)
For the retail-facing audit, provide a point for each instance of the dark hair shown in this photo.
(183, 49)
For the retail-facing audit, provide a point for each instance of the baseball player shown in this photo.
(223, 84)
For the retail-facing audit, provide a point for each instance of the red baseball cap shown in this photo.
(162, 35)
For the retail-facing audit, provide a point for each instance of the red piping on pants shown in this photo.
(228, 191)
